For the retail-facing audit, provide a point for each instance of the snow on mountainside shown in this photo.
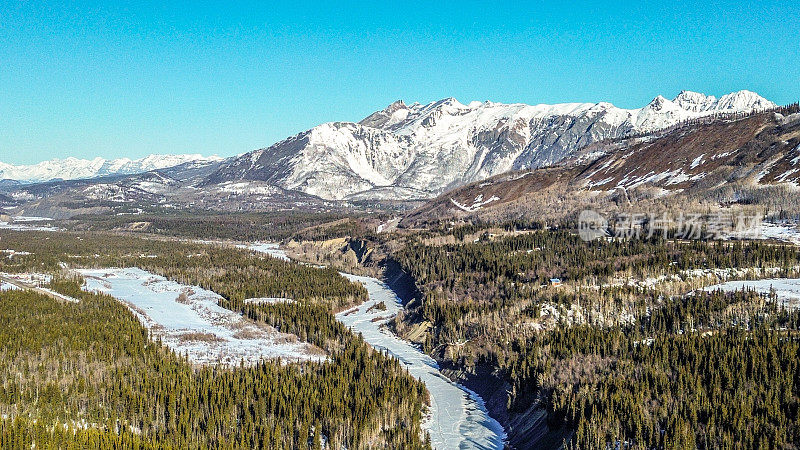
(422, 150)
(748, 161)
(74, 168)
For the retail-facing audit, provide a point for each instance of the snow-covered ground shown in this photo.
(7, 286)
(458, 416)
(787, 289)
(781, 231)
(266, 248)
(189, 320)
(24, 225)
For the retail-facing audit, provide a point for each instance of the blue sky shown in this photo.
(92, 79)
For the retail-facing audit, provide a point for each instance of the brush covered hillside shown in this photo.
(740, 159)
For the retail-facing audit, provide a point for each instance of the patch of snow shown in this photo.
(268, 248)
(796, 159)
(715, 274)
(785, 175)
(4, 286)
(477, 204)
(786, 289)
(248, 188)
(12, 253)
(189, 320)
(787, 232)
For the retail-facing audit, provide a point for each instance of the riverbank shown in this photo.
(458, 417)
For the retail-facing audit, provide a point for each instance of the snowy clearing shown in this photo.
(787, 232)
(787, 289)
(24, 226)
(267, 249)
(189, 320)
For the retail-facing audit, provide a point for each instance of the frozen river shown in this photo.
(458, 417)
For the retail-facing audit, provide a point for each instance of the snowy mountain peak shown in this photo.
(694, 101)
(659, 100)
(392, 114)
(743, 100)
(72, 168)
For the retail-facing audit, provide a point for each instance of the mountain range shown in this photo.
(418, 151)
(402, 152)
(74, 168)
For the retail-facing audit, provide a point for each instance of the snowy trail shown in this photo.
(266, 248)
(458, 416)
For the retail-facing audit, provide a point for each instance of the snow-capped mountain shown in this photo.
(418, 151)
(74, 168)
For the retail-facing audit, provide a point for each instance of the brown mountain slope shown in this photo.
(703, 156)
(701, 162)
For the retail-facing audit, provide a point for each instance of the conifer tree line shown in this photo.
(268, 226)
(87, 374)
(707, 370)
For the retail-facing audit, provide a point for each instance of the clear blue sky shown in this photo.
(99, 79)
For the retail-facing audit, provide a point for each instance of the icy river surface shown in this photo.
(458, 417)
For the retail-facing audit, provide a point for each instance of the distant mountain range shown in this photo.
(74, 168)
(418, 151)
